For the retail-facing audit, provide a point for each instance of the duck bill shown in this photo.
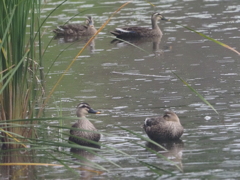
(165, 19)
(93, 111)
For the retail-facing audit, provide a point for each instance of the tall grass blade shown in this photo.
(155, 169)
(127, 42)
(7, 28)
(90, 163)
(7, 74)
(80, 52)
(63, 163)
(13, 72)
(45, 19)
(201, 34)
(29, 164)
(207, 37)
(150, 3)
(161, 156)
(142, 137)
(11, 135)
(193, 90)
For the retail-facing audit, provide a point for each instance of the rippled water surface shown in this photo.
(128, 84)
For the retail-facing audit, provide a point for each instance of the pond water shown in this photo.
(128, 84)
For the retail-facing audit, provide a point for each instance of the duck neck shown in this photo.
(80, 113)
(154, 24)
(82, 118)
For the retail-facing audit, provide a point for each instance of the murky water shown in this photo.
(128, 85)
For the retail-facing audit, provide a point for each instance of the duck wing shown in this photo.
(70, 29)
(131, 32)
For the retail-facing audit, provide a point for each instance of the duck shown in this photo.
(78, 136)
(77, 29)
(163, 128)
(135, 31)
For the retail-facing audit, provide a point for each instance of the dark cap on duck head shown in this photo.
(90, 110)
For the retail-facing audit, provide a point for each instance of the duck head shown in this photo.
(84, 108)
(157, 16)
(171, 116)
(89, 21)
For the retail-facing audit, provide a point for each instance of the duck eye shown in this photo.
(86, 107)
(167, 115)
(147, 122)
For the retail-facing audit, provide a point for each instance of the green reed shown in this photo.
(20, 76)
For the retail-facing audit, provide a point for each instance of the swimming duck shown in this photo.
(84, 124)
(77, 29)
(162, 128)
(141, 31)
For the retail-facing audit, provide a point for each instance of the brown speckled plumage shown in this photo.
(162, 128)
(77, 29)
(83, 124)
(135, 31)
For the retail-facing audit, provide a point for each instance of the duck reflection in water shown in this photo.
(83, 130)
(166, 131)
(77, 41)
(88, 169)
(171, 150)
(123, 42)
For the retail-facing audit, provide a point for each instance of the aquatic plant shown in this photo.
(22, 79)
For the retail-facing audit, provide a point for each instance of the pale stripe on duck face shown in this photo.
(83, 109)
